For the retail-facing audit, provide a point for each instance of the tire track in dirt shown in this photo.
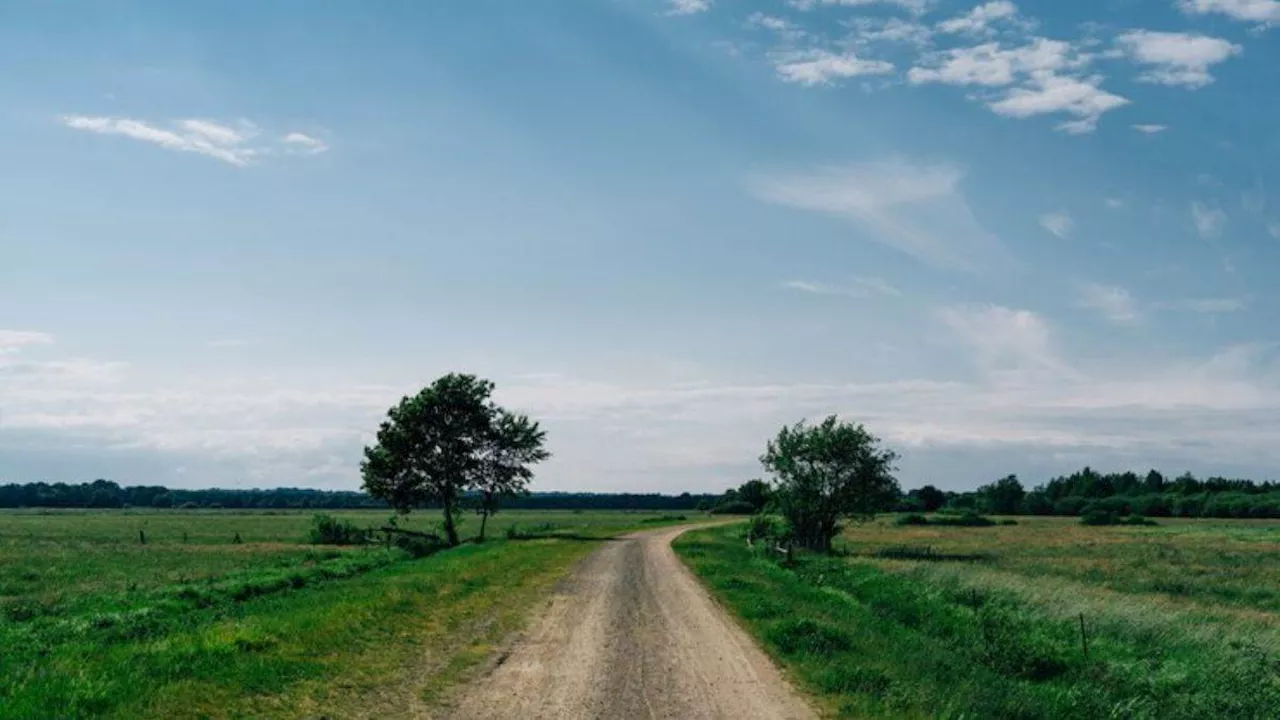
(631, 635)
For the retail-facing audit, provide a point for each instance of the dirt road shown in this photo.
(632, 635)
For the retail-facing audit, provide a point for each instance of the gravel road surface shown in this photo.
(631, 635)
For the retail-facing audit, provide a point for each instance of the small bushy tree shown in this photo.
(1004, 496)
(447, 440)
(827, 471)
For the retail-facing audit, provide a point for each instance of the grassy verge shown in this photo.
(266, 629)
(871, 639)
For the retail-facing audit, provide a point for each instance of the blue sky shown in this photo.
(1007, 237)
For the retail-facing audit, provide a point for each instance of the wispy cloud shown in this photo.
(13, 339)
(1043, 77)
(688, 7)
(821, 67)
(304, 144)
(1274, 230)
(1150, 129)
(1059, 223)
(916, 208)
(981, 19)
(916, 7)
(1175, 58)
(1209, 221)
(1258, 11)
(859, 287)
(1114, 303)
(227, 343)
(231, 143)
(1113, 203)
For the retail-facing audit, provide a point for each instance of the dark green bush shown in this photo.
(911, 519)
(328, 530)
(1098, 517)
(969, 519)
(733, 507)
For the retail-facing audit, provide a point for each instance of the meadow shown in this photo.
(1047, 618)
(234, 614)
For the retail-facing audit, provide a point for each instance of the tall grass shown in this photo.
(893, 638)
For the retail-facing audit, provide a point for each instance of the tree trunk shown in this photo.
(484, 518)
(450, 530)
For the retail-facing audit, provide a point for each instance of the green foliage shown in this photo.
(733, 507)
(447, 440)
(965, 519)
(877, 640)
(328, 530)
(825, 472)
(755, 493)
(1003, 497)
(929, 497)
(1108, 517)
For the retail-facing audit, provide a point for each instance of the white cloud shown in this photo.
(1150, 129)
(1259, 11)
(768, 22)
(1274, 229)
(1113, 203)
(991, 65)
(201, 141)
(859, 287)
(916, 208)
(1050, 93)
(1114, 303)
(688, 7)
(1038, 71)
(305, 143)
(230, 143)
(1059, 223)
(13, 340)
(915, 7)
(867, 30)
(1174, 58)
(227, 343)
(980, 19)
(1209, 221)
(820, 67)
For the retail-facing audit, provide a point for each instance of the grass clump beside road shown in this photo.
(262, 628)
(892, 637)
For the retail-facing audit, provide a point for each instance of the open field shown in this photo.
(94, 622)
(1181, 620)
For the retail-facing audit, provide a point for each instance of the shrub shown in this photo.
(762, 527)
(733, 507)
(911, 519)
(1008, 521)
(419, 546)
(969, 519)
(328, 530)
(1098, 517)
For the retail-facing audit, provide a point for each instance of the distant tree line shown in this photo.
(108, 494)
(1126, 493)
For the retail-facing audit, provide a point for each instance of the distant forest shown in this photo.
(1151, 494)
(1127, 493)
(107, 494)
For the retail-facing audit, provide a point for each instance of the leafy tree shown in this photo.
(930, 497)
(446, 441)
(162, 500)
(755, 493)
(1004, 496)
(430, 447)
(827, 471)
(513, 443)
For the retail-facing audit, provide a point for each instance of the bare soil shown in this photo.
(631, 635)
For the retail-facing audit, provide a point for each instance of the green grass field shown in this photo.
(192, 623)
(1181, 620)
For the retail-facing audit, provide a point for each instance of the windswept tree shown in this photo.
(514, 443)
(825, 472)
(448, 439)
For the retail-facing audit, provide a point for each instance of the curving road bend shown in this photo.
(632, 635)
